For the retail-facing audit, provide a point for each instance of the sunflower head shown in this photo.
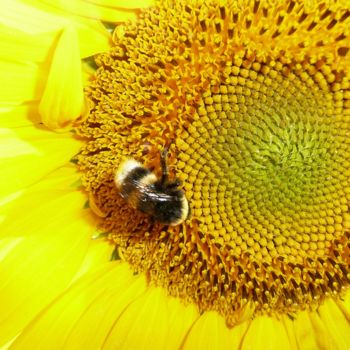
(253, 103)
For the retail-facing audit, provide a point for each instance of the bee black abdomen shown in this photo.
(166, 210)
(169, 212)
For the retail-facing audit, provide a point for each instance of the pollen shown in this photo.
(252, 99)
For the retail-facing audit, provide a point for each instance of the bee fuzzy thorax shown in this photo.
(162, 199)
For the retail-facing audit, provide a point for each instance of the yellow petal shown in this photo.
(92, 10)
(8, 244)
(29, 19)
(99, 252)
(211, 332)
(131, 4)
(7, 203)
(20, 81)
(14, 116)
(25, 209)
(88, 72)
(11, 145)
(105, 309)
(143, 325)
(34, 17)
(303, 332)
(63, 98)
(93, 38)
(266, 333)
(344, 305)
(42, 201)
(154, 320)
(35, 205)
(114, 296)
(320, 333)
(63, 179)
(41, 265)
(181, 319)
(83, 316)
(47, 152)
(336, 324)
(7, 345)
(17, 45)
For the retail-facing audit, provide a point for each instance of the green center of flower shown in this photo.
(271, 169)
(259, 138)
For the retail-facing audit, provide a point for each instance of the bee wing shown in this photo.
(149, 193)
(139, 194)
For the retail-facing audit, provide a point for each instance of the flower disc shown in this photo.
(253, 104)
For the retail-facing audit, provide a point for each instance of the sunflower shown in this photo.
(251, 100)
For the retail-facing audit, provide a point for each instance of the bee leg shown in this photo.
(164, 165)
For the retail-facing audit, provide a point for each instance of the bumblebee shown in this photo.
(161, 199)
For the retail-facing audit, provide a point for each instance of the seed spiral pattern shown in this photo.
(253, 101)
